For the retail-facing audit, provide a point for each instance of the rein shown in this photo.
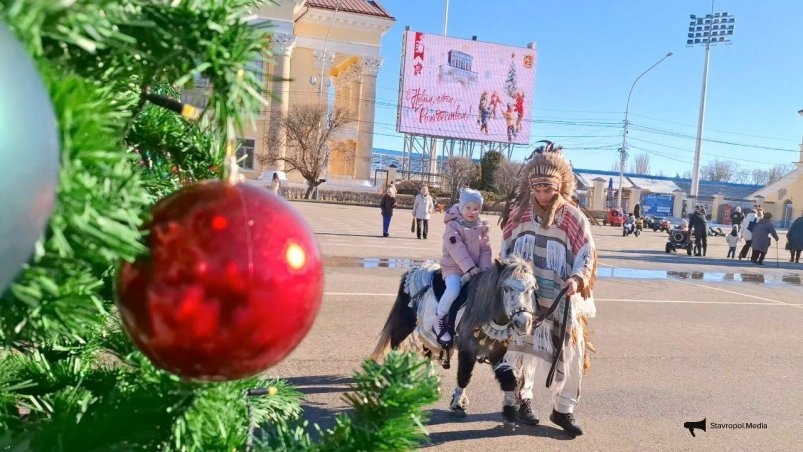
(538, 320)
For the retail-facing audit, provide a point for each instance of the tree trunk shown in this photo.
(310, 187)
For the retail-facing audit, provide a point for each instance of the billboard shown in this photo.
(458, 88)
(657, 204)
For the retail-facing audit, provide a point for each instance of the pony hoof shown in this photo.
(447, 365)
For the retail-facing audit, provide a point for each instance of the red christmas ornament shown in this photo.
(232, 284)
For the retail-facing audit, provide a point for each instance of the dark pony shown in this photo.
(500, 304)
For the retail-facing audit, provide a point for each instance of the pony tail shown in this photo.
(394, 322)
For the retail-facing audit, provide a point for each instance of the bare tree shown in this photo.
(506, 176)
(458, 173)
(778, 172)
(741, 177)
(759, 176)
(307, 128)
(719, 171)
(642, 164)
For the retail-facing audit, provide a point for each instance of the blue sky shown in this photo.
(589, 54)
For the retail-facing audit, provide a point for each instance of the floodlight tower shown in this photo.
(445, 16)
(708, 30)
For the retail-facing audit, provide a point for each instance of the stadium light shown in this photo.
(708, 30)
(623, 149)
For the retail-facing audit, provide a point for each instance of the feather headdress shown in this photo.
(546, 167)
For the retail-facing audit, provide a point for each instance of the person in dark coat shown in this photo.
(737, 216)
(699, 225)
(761, 238)
(386, 204)
(794, 240)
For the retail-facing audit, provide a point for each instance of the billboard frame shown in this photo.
(456, 136)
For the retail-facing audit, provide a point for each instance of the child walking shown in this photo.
(733, 241)
(466, 250)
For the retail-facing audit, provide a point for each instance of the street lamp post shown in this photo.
(324, 117)
(714, 28)
(623, 150)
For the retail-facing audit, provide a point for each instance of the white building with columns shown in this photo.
(320, 51)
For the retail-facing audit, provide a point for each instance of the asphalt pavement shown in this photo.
(678, 339)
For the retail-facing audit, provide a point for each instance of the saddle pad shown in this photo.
(418, 278)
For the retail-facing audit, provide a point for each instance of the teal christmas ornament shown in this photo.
(29, 156)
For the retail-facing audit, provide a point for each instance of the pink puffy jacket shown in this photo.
(464, 247)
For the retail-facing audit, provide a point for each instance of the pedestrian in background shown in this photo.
(794, 240)
(761, 238)
(386, 205)
(275, 184)
(422, 208)
(746, 231)
(733, 241)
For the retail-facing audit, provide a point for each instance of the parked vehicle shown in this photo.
(718, 232)
(680, 239)
(631, 228)
(616, 217)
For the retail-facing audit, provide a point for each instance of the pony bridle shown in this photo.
(501, 333)
(521, 285)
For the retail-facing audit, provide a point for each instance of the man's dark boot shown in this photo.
(704, 248)
(509, 414)
(567, 422)
(526, 413)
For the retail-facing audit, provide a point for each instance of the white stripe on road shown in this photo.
(744, 295)
(375, 246)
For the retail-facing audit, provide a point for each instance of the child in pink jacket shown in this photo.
(466, 249)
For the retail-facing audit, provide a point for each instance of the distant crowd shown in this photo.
(751, 228)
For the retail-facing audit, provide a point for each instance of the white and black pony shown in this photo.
(492, 307)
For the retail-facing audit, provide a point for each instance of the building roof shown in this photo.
(783, 182)
(654, 185)
(586, 179)
(367, 7)
(706, 188)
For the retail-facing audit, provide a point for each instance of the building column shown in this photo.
(677, 205)
(635, 194)
(715, 208)
(365, 140)
(347, 98)
(597, 202)
(282, 45)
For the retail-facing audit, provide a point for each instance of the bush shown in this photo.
(493, 202)
(409, 187)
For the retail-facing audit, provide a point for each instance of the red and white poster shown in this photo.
(466, 89)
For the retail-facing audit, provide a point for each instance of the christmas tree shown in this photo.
(511, 85)
(70, 376)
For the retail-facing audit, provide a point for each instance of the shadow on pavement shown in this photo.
(462, 433)
(321, 384)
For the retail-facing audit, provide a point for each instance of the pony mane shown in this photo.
(483, 303)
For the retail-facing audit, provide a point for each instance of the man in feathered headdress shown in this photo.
(543, 226)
